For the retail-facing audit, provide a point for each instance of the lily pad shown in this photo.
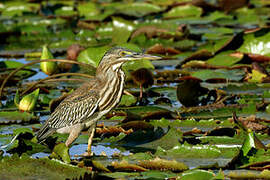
(224, 59)
(137, 9)
(184, 11)
(197, 174)
(255, 44)
(7, 117)
(15, 167)
(233, 75)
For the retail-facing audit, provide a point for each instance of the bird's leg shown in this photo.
(91, 132)
(75, 132)
(141, 92)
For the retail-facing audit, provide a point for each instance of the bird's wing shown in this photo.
(74, 109)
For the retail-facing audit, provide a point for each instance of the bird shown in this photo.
(81, 109)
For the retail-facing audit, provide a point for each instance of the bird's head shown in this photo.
(119, 55)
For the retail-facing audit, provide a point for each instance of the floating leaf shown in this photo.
(235, 74)
(224, 59)
(121, 30)
(137, 9)
(184, 11)
(127, 100)
(25, 167)
(125, 166)
(197, 174)
(88, 9)
(256, 44)
(163, 165)
(192, 151)
(7, 117)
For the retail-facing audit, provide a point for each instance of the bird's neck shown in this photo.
(111, 79)
(109, 72)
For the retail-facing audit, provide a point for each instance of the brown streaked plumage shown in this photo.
(87, 104)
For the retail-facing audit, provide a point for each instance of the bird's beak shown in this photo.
(149, 57)
(136, 56)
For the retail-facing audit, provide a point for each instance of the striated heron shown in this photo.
(86, 105)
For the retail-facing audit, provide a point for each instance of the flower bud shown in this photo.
(47, 67)
(28, 102)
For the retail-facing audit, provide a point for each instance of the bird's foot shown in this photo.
(88, 154)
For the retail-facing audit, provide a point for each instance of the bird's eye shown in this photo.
(122, 53)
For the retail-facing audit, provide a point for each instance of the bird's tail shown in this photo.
(44, 132)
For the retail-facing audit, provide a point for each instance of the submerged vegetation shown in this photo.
(203, 110)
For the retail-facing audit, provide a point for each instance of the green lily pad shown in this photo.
(184, 11)
(88, 9)
(18, 8)
(191, 151)
(197, 174)
(137, 9)
(224, 59)
(127, 100)
(24, 167)
(233, 75)
(65, 11)
(121, 30)
(168, 141)
(255, 44)
(7, 117)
